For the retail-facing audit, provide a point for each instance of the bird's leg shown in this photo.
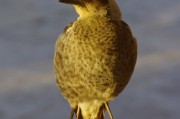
(78, 112)
(108, 110)
(72, 114)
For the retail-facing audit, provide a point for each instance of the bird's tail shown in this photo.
(92, 110)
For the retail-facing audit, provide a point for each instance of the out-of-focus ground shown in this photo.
(28, 31)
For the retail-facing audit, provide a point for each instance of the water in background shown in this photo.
(28, 31)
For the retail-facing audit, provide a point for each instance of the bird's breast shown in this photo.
(91, 55)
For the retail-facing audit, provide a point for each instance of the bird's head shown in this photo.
(89, 7)
(83, 3)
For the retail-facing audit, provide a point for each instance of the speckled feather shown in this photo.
(94, 59)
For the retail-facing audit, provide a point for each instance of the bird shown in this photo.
(94, 58)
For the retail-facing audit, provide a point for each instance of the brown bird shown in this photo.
(94, 58)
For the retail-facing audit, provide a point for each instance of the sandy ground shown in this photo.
(28, 31)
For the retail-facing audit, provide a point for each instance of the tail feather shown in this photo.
(101, 113)
(99, 116)
(86, 111)
(90, 110)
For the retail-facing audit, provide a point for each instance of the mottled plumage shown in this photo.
(94, 58)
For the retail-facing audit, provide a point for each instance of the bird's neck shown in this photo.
(90, 11)
(111, 9)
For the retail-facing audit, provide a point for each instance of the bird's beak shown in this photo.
(74, 2)
(68, 1)
(64, 1)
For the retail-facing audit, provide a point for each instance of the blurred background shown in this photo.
(28, 31)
